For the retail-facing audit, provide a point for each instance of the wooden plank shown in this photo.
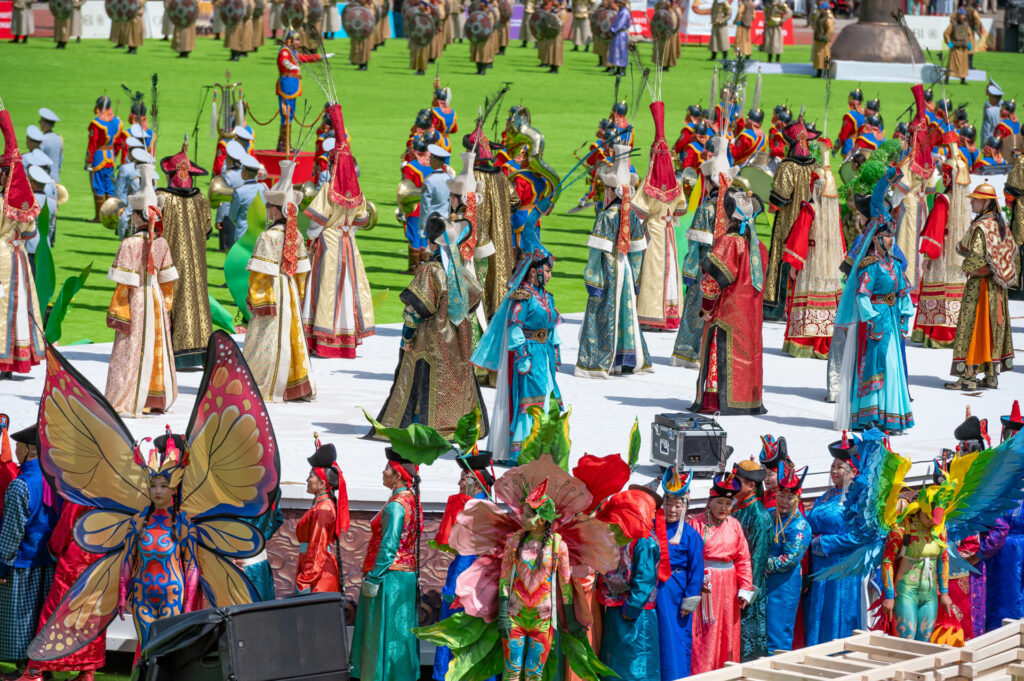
(762, 674)
(1006, 631)
(875, 652)
(840, 662)
(994, 648)
(974, 670)
(904, 675)
(922, 664)
(915, 647)
(814, 671)
(732, 671)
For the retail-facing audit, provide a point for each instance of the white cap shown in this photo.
(142, 156)
(617, 174)
(235, 150)
(719, 162)
(135, 143)
(34, 133)
(465, 182)
(250, 162)
(146, 195)
(137, 131)
(37, 174)
(37, 157)
(994, 89)
(329, 144)
(282, 193)
(440, 152)
(48, 115)
(241, 133)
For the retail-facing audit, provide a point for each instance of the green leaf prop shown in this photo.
(549, 434)
(46, 274)
(634, 444)
(235, 274)
(467, 431)
(222, 319)
(420, 444)
(379, 297)
(71, 286)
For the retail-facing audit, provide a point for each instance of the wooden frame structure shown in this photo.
(874, 656)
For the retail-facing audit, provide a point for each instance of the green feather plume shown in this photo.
(422, 445)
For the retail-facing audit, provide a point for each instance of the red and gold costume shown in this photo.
(748, 143)
(318, 566)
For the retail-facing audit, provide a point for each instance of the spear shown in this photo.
(155, 111)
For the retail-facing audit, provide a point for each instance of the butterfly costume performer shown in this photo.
(223, 472)
(518, 592)
(910, 541)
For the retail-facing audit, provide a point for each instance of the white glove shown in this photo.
(369, 589)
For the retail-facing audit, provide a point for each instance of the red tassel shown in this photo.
(341, 514)
(661, 530)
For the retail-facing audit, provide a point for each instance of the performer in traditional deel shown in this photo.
(775, 15)
(289, 85)
(731, 379)
(777, 145)
(446, 121)
(1004, 589)
(275, 346)
(814, 251)
(756, 523)
(665, 34)
(751, 140)
(680, 594)
(611, 342)
(581, 33)
(990, 155)
(660, 201)
(852, 122)
(618, 48)
(721, 12)
(30, 513)
(790, 538)
(23, 22)
(1008, 129)
(483, 17)
(824, 24)
(319, 529)
(185, 214)
(983, 343)
(942, 278)
(21, 328)
(791, 187)
(104, 146)
(744, 26)
(141, 376)
(960, 40)
(337, 311)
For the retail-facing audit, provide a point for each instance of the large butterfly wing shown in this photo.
(234, 468)
(222, 582)
(229, 537)
(83, 444)
(84, 613)
(100, 531)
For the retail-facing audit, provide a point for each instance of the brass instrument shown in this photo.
(760, 174)
(219, 191)
(371, 211)
(688, 179)
(62, 194)
(308, 191)
(110, 212)
(408, 196)
(520, 134)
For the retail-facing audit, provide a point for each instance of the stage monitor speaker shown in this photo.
(294, 639)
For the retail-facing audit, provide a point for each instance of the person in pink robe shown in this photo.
(728, 580)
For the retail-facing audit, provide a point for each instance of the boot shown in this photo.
(424, 254)
(481, 69)
(282, 138)
(991, 382)
(131, 50)
(553, 69)
(575, 48)
(414, 261)
(587, 48)
(524, 44)
(234, 56)
(967, 384)
(97, 201)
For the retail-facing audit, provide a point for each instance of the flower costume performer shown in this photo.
(275, 346)
(169, 517)
(611, 341)
(876, 308)
(630, 643)
(522, 345)
(141, 377)
(910, 543)
(679, 595)
(319, 530)
(791, 536)
(833, 608)
(383, 645)
(731, 379)
(337, 309)
(518, 590)
(728, 581)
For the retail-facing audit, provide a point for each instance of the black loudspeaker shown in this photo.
(295, 639)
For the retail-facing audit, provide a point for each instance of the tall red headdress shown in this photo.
(19, 202)
(661, 183)
(344, 184)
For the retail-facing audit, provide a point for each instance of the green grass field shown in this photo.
(379, 105)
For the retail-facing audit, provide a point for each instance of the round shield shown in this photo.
(545, 25)
(479, 27)
(358, 21)
(847, 171)
(181, 13)
(61, 9)
(505, 9)
(420, 28)
(760, 181)
(314, 13)
(293, 13)
(121, 10)
(663, 23)
(231, 11)
(601, 23)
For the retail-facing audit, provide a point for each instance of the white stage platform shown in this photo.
(866, 72)
(603, 410)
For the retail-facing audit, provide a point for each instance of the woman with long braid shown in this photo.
(321, 526)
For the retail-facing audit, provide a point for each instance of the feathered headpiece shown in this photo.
(541, 503)
(675, 485)
(168, 457)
